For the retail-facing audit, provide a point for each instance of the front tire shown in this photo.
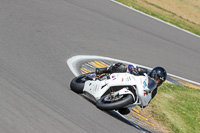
(124, 101)
(77, 84)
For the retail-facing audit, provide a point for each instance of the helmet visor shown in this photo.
(159, 80)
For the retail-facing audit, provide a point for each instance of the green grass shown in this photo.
(166, 15)
(177, 108)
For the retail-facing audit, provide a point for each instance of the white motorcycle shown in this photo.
(115, 91)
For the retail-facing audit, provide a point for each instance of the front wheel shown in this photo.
(77, 84)
(108, 103)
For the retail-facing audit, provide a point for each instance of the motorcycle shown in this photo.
(116, 90)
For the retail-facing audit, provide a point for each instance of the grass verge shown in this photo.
(163, 14)
(177, 108)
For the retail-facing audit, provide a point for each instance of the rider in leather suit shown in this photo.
(159, 74)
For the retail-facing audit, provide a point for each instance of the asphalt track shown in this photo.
(38, 36)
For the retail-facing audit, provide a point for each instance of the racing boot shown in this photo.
(124, 111)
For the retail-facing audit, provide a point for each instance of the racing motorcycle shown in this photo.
(116, 90)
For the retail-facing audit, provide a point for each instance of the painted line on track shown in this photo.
(155, 18)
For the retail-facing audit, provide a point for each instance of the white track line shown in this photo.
(73, 62)
(155, 18)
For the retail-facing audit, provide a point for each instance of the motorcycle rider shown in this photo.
(158, 73)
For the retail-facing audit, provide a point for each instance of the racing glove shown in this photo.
(133, 70)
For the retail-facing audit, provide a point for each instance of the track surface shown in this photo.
(36, 39)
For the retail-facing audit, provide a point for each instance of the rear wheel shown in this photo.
(108, 102)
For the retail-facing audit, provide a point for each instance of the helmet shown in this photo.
(159, 74)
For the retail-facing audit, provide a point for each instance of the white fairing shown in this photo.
(139, 83)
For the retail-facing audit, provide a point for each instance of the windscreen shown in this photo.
(151, 84)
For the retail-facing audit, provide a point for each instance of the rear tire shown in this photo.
(125, 100)
(77, 84)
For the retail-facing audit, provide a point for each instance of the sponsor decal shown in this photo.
(94, 87)
(144, 84)
(128, 79)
